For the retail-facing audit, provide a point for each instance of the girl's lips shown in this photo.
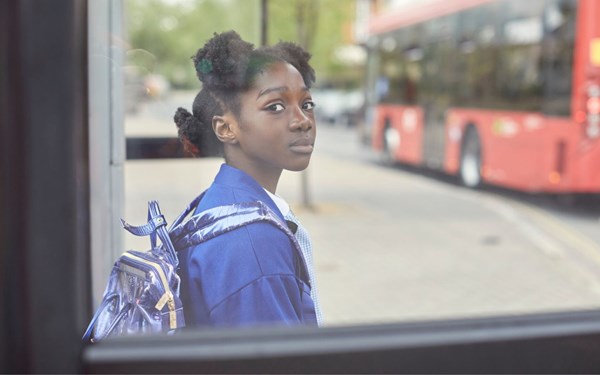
(302, 149)
(302, 146)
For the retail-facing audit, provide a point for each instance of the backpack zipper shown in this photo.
(167, 297)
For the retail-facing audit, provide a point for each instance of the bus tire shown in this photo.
(470, 159)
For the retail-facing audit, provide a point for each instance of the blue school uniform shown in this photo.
(249, 276)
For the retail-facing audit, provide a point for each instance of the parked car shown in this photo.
(338, 107)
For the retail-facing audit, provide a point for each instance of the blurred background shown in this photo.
(161, 37)
(456, 169)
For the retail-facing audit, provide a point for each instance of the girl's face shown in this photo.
(276, 128)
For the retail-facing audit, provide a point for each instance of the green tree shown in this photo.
(321, 26)
(164, 34)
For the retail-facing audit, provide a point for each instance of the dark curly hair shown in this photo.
(227, 66)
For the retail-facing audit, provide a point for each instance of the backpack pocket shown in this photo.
(138, 299)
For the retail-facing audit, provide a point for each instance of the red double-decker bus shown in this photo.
(501, 92)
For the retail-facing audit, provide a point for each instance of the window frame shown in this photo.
(106, 137)
(537, 343)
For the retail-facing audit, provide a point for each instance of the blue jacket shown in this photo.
(247, 276)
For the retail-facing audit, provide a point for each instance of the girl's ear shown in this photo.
(223, 128)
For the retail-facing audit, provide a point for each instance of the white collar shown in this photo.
(281, 204)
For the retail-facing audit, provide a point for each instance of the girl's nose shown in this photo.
(301, 121)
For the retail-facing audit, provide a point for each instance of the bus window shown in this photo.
(520, 53)
(476, 57)
(557, 56)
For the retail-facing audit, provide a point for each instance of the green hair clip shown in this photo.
(204, 66)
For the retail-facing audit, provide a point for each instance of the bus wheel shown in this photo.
(391, 142)
(470, 160)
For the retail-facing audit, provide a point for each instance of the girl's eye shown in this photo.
(276, 107)
(309, 105)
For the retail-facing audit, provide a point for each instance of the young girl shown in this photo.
(255, 107)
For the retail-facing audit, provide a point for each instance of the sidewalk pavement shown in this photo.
(390, 246)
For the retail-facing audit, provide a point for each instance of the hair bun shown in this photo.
(299, 58)
(189, 130)
(182, 116)
(222, 62)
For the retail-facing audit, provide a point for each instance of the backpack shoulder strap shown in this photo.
(156, 225)
(219, 220)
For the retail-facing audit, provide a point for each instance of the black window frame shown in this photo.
(538, 343)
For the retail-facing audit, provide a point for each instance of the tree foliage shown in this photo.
(321, 26)
(164, 34)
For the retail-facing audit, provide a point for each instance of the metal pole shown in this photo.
(306, 198)
(305, 21)
(264, 22)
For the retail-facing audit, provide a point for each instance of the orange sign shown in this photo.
(595, 52)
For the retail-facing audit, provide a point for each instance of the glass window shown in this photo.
(390, 246)
(557, 56)
(477, 57)
(520, 58)
(439, 80)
